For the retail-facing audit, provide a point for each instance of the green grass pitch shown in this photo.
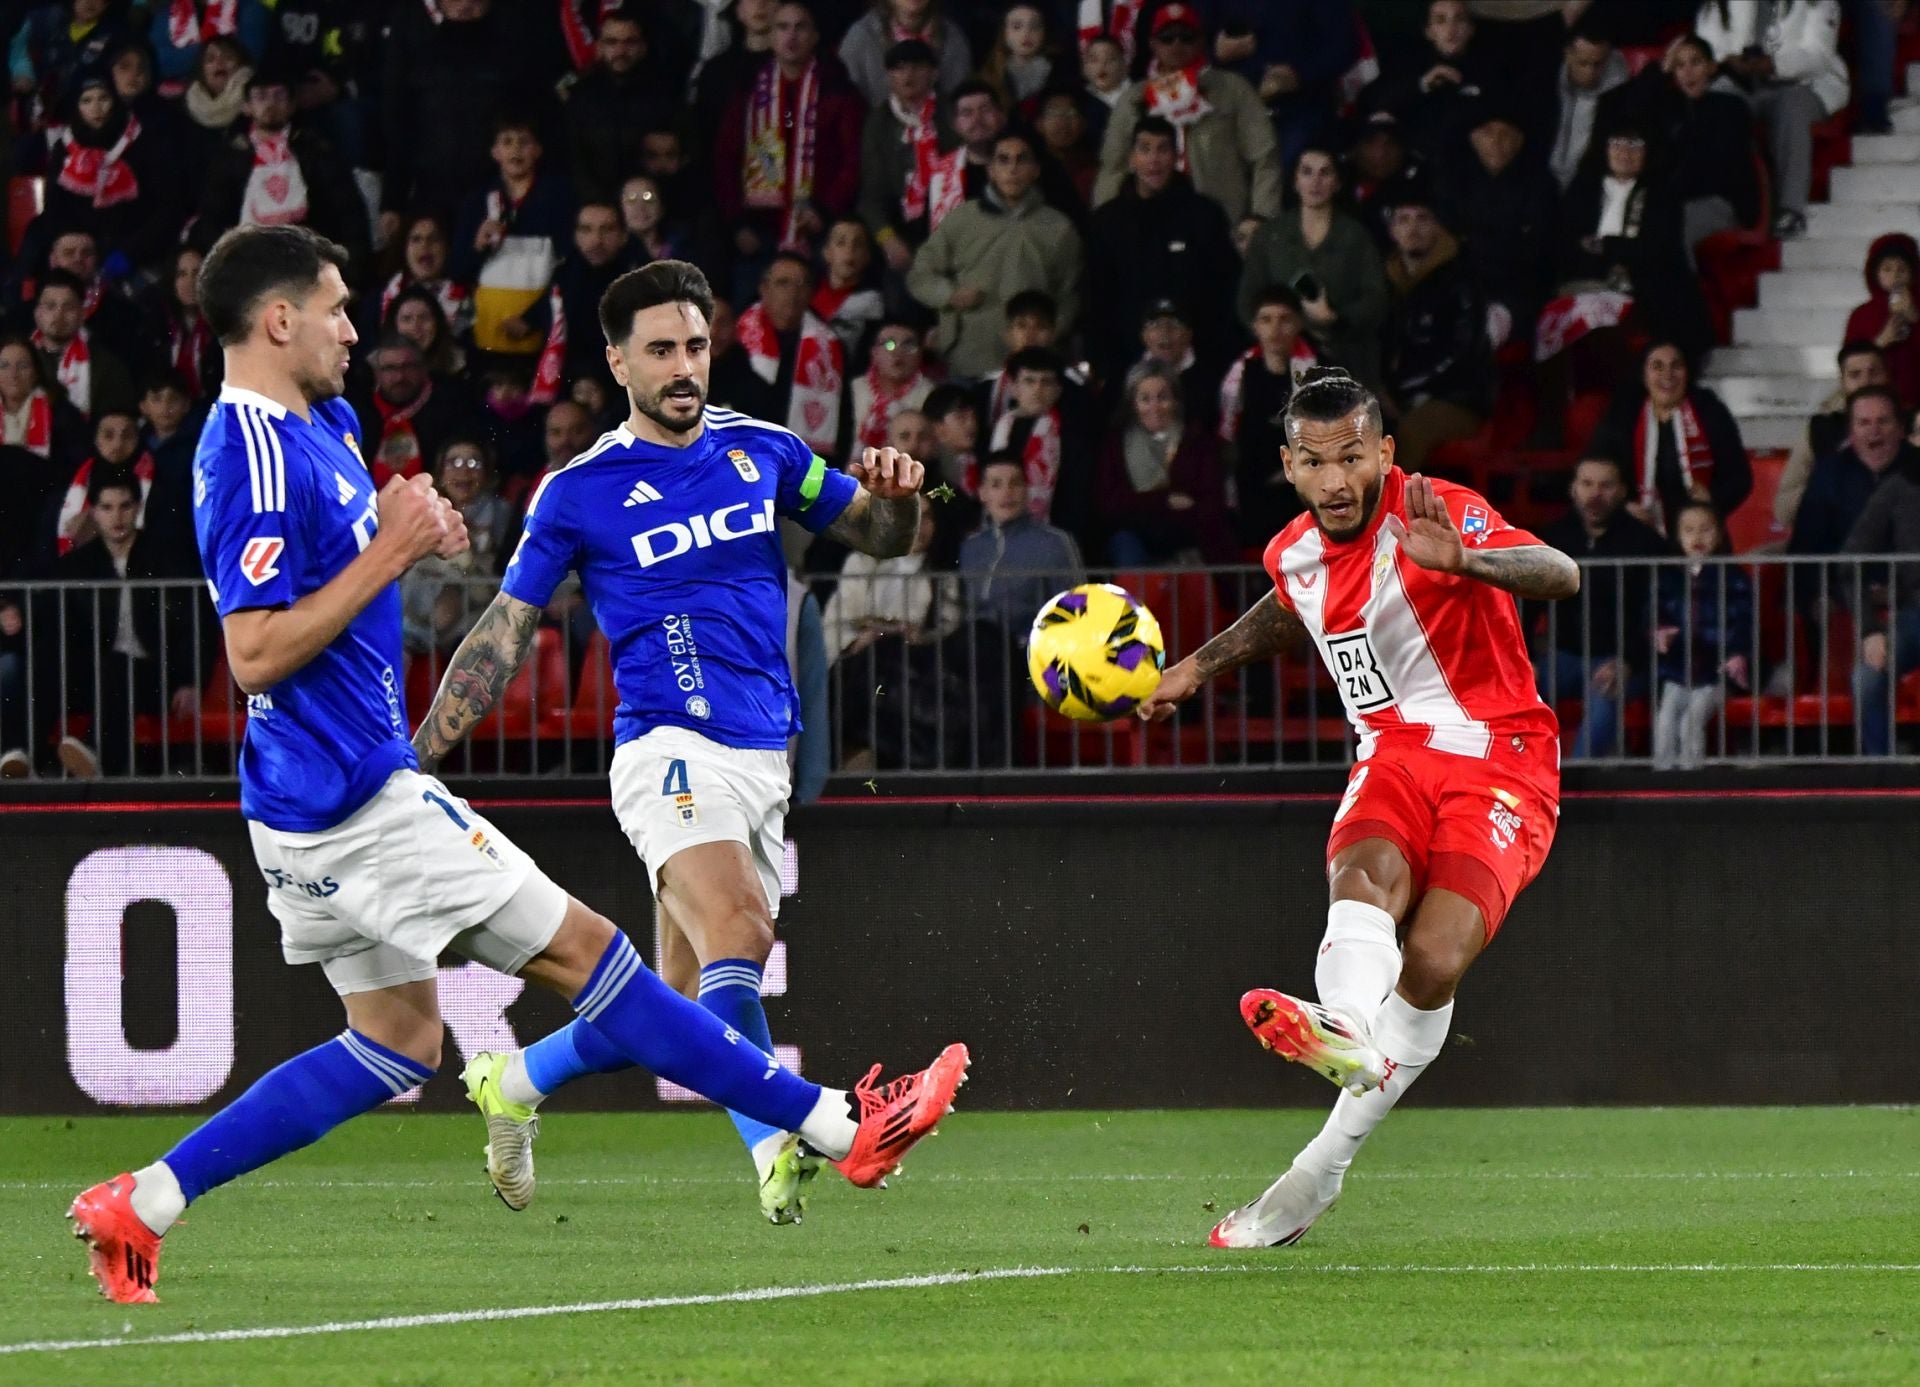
(1529, 1247)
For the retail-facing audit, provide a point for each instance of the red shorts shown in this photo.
(1478, 828)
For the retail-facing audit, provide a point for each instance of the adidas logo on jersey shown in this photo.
(641, 494)
(345, 488)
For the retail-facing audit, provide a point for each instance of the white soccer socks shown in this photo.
(1409, 1039)
(1359, 960)
(157, 1199)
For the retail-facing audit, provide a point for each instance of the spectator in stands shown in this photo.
(1013, 563)
(795, 355)
(1876, 48)
(105, 175)
(112, 649)
(1590, 67)
(1063, 131)
(442, 598)
(732, 381)
(111, 319)
(130, 67)
(1021, 62)
(1889, 524)
(181, 28)
(1503, 207)
(900, 597)
(177, 334)
(42, 439)
(1621, 234)
(1439, 366)
(513, 230)
(326, 49)
(450, 76)
(1327, 258)
(731, 71)
(1226, 141)
(216, 98)
(1785, 57)
(781, 157)
(955, 417)
(845, 299)
(1294, 56)
(1253, 398)
(1844, 481)
(408, 415)
(116, 454)
(169, 434)
(990, 249)
(55, 42)
(1592, 637)
(895, 382)
(864, 49)
(275, 174)
(1158, 240)
(416, 315)
(1166, 335)
(1861, 365)
(1676, 437)
(1430, 89)
(905, 150)
(92, 376)
(655, 230)
(1032, 320)
(625, 93)
(1103, 74)
(426, 251)
(1704, 639)
(1703, 133)
(1048, 432)
(1888, 316)
(1162, 487)
(574, 344)
(1374, 163)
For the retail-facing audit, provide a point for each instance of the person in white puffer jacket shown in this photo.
(1784, 57)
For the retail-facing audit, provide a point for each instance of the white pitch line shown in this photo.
(1090, 1177)
(933, 1279)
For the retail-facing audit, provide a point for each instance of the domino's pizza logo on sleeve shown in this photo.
(1474, 521)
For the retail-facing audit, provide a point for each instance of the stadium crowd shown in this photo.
(1070, 252)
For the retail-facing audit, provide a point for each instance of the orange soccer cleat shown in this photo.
(122, 1252)
(893, 1118)
(1325, 1041)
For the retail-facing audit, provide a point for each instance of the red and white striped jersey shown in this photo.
(1433, 655)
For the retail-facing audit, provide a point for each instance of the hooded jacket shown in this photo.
(1870, 318)
(1436, 334)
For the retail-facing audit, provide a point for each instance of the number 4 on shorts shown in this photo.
(676, 781)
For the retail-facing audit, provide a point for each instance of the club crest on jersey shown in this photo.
(353, 446)
(743, 465)
(1473, 521)
(260, 559)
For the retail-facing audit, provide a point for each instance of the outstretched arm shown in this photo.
(1268, 629)
(884, 515)
(482, 667)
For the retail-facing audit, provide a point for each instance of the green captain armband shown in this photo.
(811, 483)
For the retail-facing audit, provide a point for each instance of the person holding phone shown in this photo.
(1329, 260)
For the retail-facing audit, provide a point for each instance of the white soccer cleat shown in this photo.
(1280, 1217)
(1327, 1042)
(511, 1128)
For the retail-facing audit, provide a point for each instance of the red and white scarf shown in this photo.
(102, 176)
(1039, 454)
(453, 296)
(73, 506)
(190, 25)
(922, 132)
(1175, 97)
(399, 444)
(1095, 23)
(579, 37)
(550, 374)
(775, 177)
(1690, 446)
(34, 429)
(887, 401)
(75, 371)
(276, 189)
(946, 185)
(1233, 389)
(188, 345)
(814, 412)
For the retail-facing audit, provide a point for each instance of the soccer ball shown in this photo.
(1095, 652)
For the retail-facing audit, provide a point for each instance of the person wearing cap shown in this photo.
(907, 151)
(1156, 240)
(1439, 366)
(1167, 336)
(1226, 141)
(864, 50)
(1375, 160)
(273, 174)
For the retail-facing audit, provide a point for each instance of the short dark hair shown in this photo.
(166, 380)
(1327, 394)
(59, 279)
(1876, 392)
(1005, 457)
(104, 479)
(791, 257)
(1698, 503)
(974, 86)
(663, 281)
(1697, 44)
(508, 121)
(1155, 125)
(1857, 346)
(1036, 359)
(1033, 303)
(1023, 135)
(249, 263)
(1281, 296)
(946, 398)
(393, 340)
(1605, 460)
(1590, 28)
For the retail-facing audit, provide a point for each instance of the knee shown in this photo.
(1430, 970)
(418, 1038)
(1378, 879)
(747, 933)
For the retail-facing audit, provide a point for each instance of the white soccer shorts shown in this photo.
(376, 900)
(675, 789)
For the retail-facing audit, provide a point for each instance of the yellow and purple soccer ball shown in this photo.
(1095, 652)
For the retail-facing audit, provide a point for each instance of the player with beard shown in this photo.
(1403, 584)
(670, 522)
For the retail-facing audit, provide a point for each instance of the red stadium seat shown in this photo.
(26, 195)
(590, 715)
(1751, 529)
(540, 684)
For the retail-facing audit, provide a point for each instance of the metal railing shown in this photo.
(1760, 659)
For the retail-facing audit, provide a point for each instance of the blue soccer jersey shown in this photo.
(281, 505)
(680, 556)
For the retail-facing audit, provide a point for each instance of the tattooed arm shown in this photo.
(1267, 629)
(1530, 570)
(482, 667)
(882, 526)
